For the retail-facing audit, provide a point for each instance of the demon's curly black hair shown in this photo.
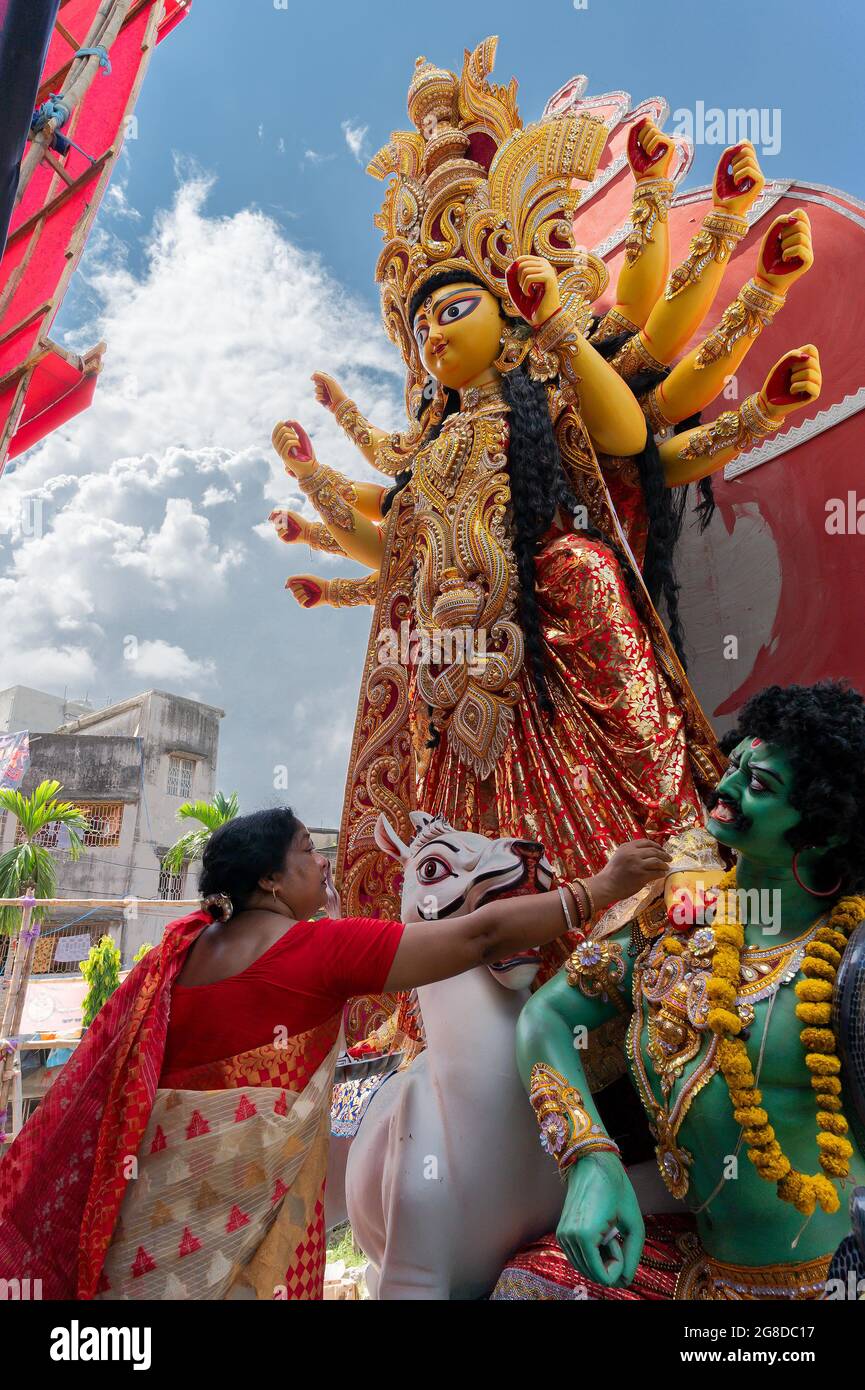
(821, 729)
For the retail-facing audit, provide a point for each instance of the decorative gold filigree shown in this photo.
(650, 403)
(651, 202)
(597, 968)
(612, 325)
(734, 429)
(381, 774)
(332, 496)
(750, 312)
(473, 190)
(715, 241)
(568, 1131)
(466, 583)
(633, 357)
(352, 593)
(319, 537)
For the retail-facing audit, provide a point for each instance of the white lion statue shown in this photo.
(446, 1178)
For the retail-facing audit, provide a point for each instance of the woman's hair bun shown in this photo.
(219, 905)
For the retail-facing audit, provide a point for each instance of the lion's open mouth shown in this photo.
(530, 878)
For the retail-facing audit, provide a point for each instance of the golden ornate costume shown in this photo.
(628, 750)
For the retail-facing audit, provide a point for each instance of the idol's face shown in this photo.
(750, 808)
(458, 332)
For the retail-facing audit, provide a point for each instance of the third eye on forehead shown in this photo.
(452, 292)
(759, 754)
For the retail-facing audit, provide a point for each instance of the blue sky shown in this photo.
(234, 255)
(301, 71)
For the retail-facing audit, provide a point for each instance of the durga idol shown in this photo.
(529, 501)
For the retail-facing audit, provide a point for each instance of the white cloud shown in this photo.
(148, 510)
(314, 157)
(355, 135)
(213, 496)
(160, 661)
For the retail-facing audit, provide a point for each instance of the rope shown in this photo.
(100, 52)
(54, 109)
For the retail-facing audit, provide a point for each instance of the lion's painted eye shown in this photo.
(433, 870)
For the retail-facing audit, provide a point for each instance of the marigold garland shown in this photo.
(819, 968)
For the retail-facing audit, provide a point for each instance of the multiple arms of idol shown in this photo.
(657, 308)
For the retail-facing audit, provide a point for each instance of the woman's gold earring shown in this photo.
(273, 891)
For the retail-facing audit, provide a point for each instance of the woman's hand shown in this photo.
(629, 869)
(328, 392)
(794, 381)
(600, 1198)
(294, 446)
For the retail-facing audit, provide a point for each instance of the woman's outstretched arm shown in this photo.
(437, 949)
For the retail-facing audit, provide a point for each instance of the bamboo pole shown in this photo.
(106, 25)
(14, 1003)
(16, 990)
(155, 903)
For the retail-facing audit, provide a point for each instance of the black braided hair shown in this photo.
(538, 489)
(665, 506)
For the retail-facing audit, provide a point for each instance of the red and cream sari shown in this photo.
(201, 1184)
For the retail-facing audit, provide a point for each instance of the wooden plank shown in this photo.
(63, 195)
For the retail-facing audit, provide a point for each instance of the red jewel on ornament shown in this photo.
(681, 911)
(755, 742)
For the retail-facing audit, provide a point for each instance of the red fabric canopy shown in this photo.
(41, 388)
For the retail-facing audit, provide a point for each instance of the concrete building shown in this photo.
(24, 708)
(129, 766)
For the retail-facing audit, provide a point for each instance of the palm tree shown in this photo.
(28, 870)
(29, 864)
(210, 815)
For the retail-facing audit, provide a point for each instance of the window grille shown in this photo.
(180, 773)
(170, 885)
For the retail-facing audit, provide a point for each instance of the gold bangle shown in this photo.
(352, 593)
(612, 325)
(634, 357)
(715, 242)
(734, 429)
(754, 418)
(352, 423)
(559, 328)
(650, 404)
(650, 203)
(751, 311)
(589, 899)
(327, 493)
(568, 1132)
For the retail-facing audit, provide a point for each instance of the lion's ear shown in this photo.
(388, 841)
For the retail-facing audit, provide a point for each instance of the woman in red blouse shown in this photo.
(182, 1153)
